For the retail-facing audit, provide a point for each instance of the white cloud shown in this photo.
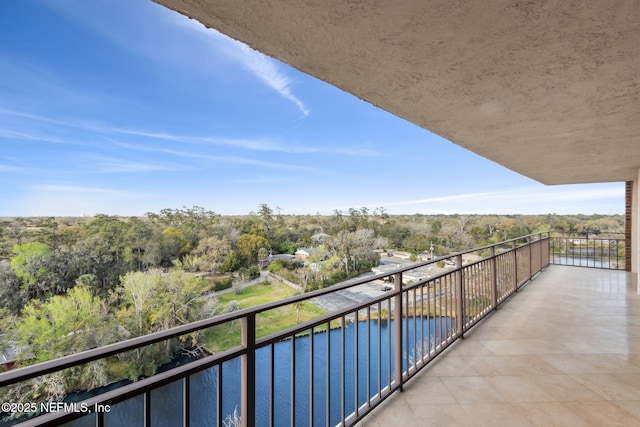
(117, 165)
(261, 66)
(267, 70)
(261, 144)
(221, 159)
(189, 42)
(81, 190)
(256, 144)
(567, 199)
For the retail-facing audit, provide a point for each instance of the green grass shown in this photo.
(226, 336)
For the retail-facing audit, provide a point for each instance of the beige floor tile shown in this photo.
(516, 389)
(563, 388)
(551, 414)
(563, 351)
(449, 365)
(592, 363)
(428, 392)
(473, 347)
(472, 389)
(493, 414)
(602, 413)
(631, 406)
(612, 386)
(525, 346)
(513, 365)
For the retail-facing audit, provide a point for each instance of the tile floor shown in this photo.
(563, 351)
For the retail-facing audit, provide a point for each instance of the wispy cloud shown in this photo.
(9, 134)
(221, 159)
(261, 66)
(82, 190)
(255, 144)
(566, 199)
(161, 46)
(267, 70)
(544, 199)
(261, 180)
(462, 197)
(260, 144)
(106, 164)
(528, 195)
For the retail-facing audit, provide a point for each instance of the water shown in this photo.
(166, 402)
(589, 257)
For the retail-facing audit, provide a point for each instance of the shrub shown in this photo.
(275, 266)
(220, 285)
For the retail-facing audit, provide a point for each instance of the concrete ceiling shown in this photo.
(549, 89)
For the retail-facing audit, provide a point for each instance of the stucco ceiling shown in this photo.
(549, 89)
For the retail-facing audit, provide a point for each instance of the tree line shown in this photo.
(43, 257)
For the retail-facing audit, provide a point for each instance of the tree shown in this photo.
(155, 301)
(212, 252)
(12, 295)
(66, 324)
(173, 245)
(417, 243)
(137, 235)
(356, 250)
(249, 245)
(266, 216)
(231, 262)
(29, 265)
(231, 307)
(479, 234)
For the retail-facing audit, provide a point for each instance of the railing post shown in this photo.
(494, 279)
(543, 261)
(397, 315)
(529, 246)
(248, 372)
(514, 247)
(459, 298)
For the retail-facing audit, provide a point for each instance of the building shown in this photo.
(303, 253)
(8, 355)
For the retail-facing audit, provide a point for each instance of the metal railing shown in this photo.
(332, 370)
(583, 250)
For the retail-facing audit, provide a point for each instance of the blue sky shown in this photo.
(125, 107)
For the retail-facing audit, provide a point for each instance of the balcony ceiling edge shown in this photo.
(550, 90)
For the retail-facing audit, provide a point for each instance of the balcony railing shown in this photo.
(332, 370)
(583, 250)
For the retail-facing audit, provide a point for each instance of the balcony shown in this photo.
(562, 348)
(565, 350)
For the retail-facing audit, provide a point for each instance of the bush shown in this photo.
(275, 266)
(249, 273)
(220, 285)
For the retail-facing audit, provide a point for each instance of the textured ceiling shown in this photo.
(549, 89)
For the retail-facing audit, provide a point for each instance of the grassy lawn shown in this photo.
(225, 336)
